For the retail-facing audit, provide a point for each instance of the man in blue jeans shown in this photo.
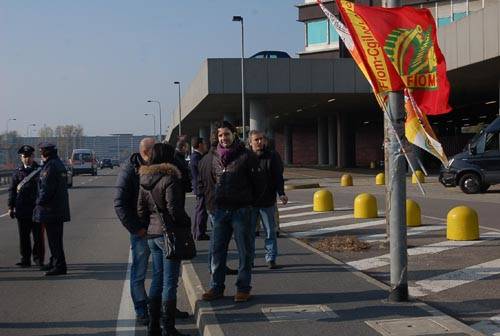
(229, 183)
(271, 168)
(127, 193)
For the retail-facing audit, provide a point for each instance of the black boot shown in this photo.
(154, 310)
(168, 319)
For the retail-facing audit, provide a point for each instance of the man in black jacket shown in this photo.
(271, 167)
(52, 206)
(229, 181)
(200, 214)
(22, 196)
(180, 162)
(127, 193)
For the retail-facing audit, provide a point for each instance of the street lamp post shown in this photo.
(240, 19)
(159, 109)
(180, 112)
(154, 122)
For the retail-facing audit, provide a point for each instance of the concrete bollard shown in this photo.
(413, 217)
(380, 179)
(418, 175)
(323, 201)
(462, 224)
(346, 180)
(365, 206)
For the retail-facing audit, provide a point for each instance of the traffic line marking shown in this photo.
(5, 214)
(347, 227)
(454, 279)
(384, 260)
(315, 220)
(125, 324)
(300, 214)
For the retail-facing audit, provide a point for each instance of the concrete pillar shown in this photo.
(204, 133)
(322, 141)
(259, 119)
(287, 144)
(332, 141)
(212, 127)
(341, 150)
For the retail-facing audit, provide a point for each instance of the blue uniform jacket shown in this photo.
(193, 165)
(23, 201)
(52, 202)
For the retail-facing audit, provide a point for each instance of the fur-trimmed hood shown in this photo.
(150, 175)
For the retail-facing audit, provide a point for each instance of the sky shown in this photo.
(97, 62)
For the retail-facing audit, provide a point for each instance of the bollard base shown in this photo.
(399, 294)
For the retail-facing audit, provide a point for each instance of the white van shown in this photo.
(83, 161)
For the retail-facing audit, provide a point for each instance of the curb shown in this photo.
(208, 325)
(204, 314)
(302, 186)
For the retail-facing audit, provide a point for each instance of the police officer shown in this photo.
(52, 206)
(22, 196)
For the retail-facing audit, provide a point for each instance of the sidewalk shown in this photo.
(334, 298)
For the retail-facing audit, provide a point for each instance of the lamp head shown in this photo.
(237, 18)
(177, 82)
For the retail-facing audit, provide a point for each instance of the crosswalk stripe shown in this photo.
(453, 279)
(295, 207)
(315, 220)
(490, 327)
(411, 232)
(317, 232)
(384, 260)
(312, 213)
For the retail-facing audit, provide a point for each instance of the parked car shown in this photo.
(271, 54)
(116, 163)
(478, 166)
(83, 161)
(106, 163)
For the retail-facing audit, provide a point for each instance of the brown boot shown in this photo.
(241, 297)
(211, 295)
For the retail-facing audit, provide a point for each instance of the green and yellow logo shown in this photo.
(412, 53)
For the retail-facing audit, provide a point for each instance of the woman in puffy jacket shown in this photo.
(161, 194)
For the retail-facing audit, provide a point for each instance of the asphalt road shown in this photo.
(93, 298)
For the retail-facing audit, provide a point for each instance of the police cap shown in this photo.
(26, 150)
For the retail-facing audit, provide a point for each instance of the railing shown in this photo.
(5, 177)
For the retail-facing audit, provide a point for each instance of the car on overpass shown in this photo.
(478, 167)
(269, 54)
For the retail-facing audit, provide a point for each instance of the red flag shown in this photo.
(399, 48)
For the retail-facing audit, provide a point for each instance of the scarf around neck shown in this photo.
(227, 155)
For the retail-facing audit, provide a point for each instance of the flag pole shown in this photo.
(396, 192)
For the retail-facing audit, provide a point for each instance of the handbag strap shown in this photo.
(155, 208)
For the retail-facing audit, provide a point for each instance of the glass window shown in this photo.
(334, 36)
(458, 16)
(444, 21)
(317, 32)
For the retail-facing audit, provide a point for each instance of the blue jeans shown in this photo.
(268, 221)
(138, 269)
(225, 222)
(165, 272)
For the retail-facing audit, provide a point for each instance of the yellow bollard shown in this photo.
(323, 201)
(413, 217)
(462, 224)
(346, 180)
(380, 179)
(365, 206)
(372, 165)
(418, 175)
